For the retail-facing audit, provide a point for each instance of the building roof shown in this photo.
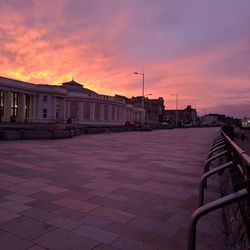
(75, 86)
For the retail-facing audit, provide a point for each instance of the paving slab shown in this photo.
(133, 190)
(11, 242)
(26, 228)
(62, 240)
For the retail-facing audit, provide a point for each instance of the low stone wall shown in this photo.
(30, 134)
(66, 131)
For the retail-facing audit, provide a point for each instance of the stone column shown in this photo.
(33, 116)
(115, 115)
(39, 101)
(21, 107)
(64, 110)
(54, 108)
(68, 109)
(110, 112)
(7, 106)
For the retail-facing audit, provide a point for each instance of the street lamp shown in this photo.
(142, 99)
(146, 110)
(176, 108)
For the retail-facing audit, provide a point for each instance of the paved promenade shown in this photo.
(132, 190)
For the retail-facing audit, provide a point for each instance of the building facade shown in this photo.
(153, 107)
(183, 116)
(69, 103)
(213, 119)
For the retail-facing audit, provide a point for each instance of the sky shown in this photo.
(197, 49)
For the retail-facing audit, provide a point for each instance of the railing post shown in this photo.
(206, 168)
(204, 180)
(209, 207)
(214, 149)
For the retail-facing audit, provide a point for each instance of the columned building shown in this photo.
(69, 103)
(154, 108)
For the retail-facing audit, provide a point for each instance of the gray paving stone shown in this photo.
(95, 221)
(21, 199)
(38, 214)
(43, 205)
(12, 242)
(26, 228)
(128, 231)
(126, 243)
(113, 214)
(155, 226)
(36, 247)
(69, 213)
(46, 196)
(96, 234)
(6, 215)
(13, 206)
(76, 204)
(163, 242)
(64, 223)
(61, 240)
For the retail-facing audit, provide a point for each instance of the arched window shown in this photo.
(97, 111)
(86, 111)
(1, 104)
(73, 110)
(106, 111)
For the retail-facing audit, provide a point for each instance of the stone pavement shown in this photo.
(132, 190)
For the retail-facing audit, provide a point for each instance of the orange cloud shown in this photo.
(45, 42)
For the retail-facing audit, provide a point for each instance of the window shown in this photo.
(45, 113)
(106, 111)
(113, 113)
(97, 111)
(58, 109)
(1, 103)
(45, 98)
(14, 104)
(86, 111)
(27, 106)
(73, 110)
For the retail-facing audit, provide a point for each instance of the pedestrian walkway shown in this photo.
(132, 190)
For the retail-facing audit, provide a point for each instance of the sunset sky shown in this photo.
(198, 49)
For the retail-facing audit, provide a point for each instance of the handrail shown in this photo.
(236, 158)
(209, 207)
(237, 148)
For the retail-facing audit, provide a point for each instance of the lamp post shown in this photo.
(176, 109)
(142, 99)
(146, 113)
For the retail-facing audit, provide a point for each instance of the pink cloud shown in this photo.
(103, 44)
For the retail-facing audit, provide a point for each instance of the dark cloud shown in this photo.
(198, 49)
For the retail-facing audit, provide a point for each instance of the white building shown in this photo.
(71, 102)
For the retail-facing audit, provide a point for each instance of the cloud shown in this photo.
(185, 47)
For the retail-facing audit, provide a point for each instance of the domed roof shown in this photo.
(75, 86)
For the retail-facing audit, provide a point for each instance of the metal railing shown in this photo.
(223, 146)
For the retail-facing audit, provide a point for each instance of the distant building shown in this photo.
(184, 116)
(246, 123)
(213, 119)
(71, 102)
(154, 108)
